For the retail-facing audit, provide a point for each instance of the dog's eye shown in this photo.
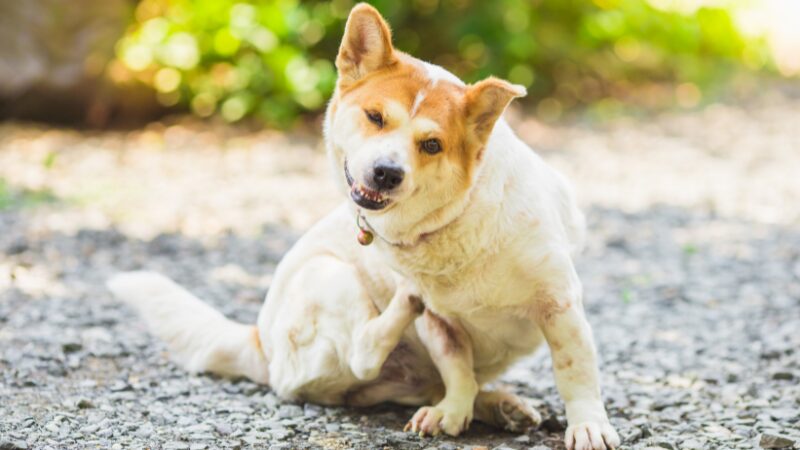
(431, 146)
(375, 117)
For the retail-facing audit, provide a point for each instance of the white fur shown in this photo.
(200, 338)
(335, 324)
(496, 258)
(436, 73)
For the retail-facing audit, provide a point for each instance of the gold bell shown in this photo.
(365, 237)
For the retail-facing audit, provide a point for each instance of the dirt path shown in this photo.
(692, 279)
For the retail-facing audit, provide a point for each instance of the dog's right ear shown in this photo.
(366, 45)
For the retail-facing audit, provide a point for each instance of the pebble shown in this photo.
(768, 440)
(289, 411)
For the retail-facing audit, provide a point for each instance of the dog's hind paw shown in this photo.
(517, 416)
(506, 411)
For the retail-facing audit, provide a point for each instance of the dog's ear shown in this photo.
(486, 101)
(366, 45)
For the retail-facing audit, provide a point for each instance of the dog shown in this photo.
(450, 258)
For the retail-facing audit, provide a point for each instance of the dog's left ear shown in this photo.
(366, 45)
(486, 101)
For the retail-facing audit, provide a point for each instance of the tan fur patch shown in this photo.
(256, 340)
(547, 307)
(563, 363)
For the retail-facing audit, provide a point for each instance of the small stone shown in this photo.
(553, 425)
(665, 444)
(310, 410)
(784, 413)
(120, 386)
(13, 445)
(176, 445)
(223, 428)
(289, 411)
(769, 440)
(787, 376)
(71, 347)
(522, 439)
(84, 404)
(692, 444)
(16, 247)
(201, 437)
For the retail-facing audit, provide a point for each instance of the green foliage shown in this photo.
(11, 198)
(273, 58)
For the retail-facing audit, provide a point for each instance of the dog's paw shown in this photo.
(515, 415)
(434, 420)
(591, 436)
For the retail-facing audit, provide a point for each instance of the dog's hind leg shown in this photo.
(505, 410)
(377, 337)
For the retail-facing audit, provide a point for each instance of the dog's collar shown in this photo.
(366, 233)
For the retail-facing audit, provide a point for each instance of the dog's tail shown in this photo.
(200, 338)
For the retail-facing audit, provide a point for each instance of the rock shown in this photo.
(71, 347)
(13, 445)
(553, 425)
(769, 440)
(289, 411)
(311, 410)
(176, 445)
(280, 447)
(784, 413)
(783, 375)
(223, 428)
(692, 444)
(84, 404)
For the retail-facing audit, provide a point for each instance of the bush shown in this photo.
(273, 59)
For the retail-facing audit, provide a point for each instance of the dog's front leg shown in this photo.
(450, 349)
(575, 365)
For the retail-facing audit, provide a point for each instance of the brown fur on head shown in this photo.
(388, 109)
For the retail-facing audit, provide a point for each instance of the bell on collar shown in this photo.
(365, 236)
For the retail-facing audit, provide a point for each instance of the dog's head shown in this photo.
(404, 134)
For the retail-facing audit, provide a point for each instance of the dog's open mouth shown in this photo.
(362, 195)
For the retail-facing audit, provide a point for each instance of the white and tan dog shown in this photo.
(474, 244)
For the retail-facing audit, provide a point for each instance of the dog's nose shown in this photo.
(387, 174)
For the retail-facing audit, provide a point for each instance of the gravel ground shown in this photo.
(692, 279)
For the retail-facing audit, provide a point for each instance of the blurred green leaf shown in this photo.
(272, 59)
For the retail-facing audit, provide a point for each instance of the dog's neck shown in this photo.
(408, 236)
